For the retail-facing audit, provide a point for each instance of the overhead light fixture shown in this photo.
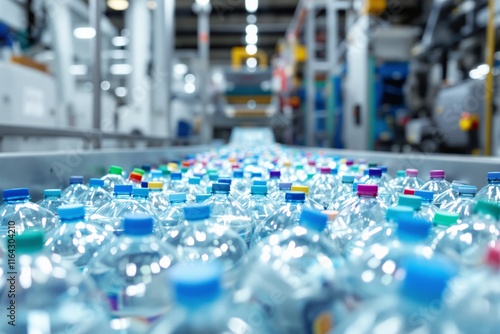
(251, 50)
(251, 19)
(151, 4)
(119, 41)
(251, 62)
(78, 69)
(251, 5)
(84, 33)
(120, 69)
(252, 29)
(118, 5)
(251, 39)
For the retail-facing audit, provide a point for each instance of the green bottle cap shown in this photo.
(30, 241)
(139, 171)
(401, 173)
(443, 218)
(414, 202)
(487, 208)
(116, 170)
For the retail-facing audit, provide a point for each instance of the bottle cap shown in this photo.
(15, 194)
(225, 180)
(375, 172)
(30, 241)
(367, 190)
(384, 169)
(331, 214)
(194, 180)
(299, 167)
(437, 174)
(401, 173)
(122, 189)
(347, 178)
(140, 192)
(398, 212)
(200, 198)
(197, 211)
(325, 170)
(411, 172)
(304, 189)
(71, 211)
(408, 191)
(139, 171)
(355, 185)
(311, 163)
(310, 175)
(493, 256)
(456, 184)
(470, 190)
(196, 284)
(156, 174)
(285, 185)
(259, 183)
(427, 195)
(176, 176)
(414, 228)
(295, 196)
(444, 218)
(177, 198)
(258, 190)
(334, 171)
(221, 187)
(75, 179)
(211, 171)
(184, 170)
(366, 172)
(95, 183)
(155, 185)
(145, 184)
(146, 167)
(213, 177)
(52, 192)
(488, 208)
(275, 174)
(372, 165)
(135, 177)
(349, 162)
(115, 170)
(138, 224)
(314, 220)
(414, 202)
(493, 176)
(287, 164)
(256, 174)
(238, 174)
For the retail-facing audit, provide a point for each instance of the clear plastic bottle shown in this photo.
(346, 198)
(491, 192)
(212, 178)
(155, 176)
(286, 216)
(415, 202)
(466, 242)
(279, 197)
(177, 183)
(385, 192)
(366, 211)
(110, 215)
(309, 201)
(230, 213)
(437, 183)
(410, 181)
(201, 238)
(201, 198)
(273, 182)
(75, 240)
(240, 185)
(113, 177)
(287, 172)
(19, 213)
(397, 182)
(442, 221)
(174, 215)
(386, 177)
(418, 305)
(259, 205)
(51, 200)
(378, 271)
(95, 197)
(135, 180)
(50, 295)
(428, 207)
(301, 174)
(132, 272)
(293, 278)
(449, 195)
(158, 199)
(194, 188)
(75, 190)
(322, 186)
(339, 191)
(464, 204)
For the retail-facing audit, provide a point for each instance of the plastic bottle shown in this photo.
(95, 197)
(158, 199)
(273, 182)
(366, 211)
(141, 196)
(19, 213)
(230, 213)
(398, 180)
(442, 221)
(410, 181)
(286, 216)
(259, 205)
(279, 197)
(194, 188)
(177, 184)
(110, 216)
(201, 238)
(466, 242)
(75, 240)
(415, 202)
(155, 176)
(428, 208)
(132, 270)
(418, 305)
(346, 198)
(292, 278)
(201, 198)
(491, 192)
(449, 195)
(135, 180)
(240, 185)
(49, 294)
(75, 190)
(464, 204)
(385, 193)
(310, 203)
(51, 200)
(385, 175)
(174, 215)
(113, 177)
(301, 174)
(322, 186)
(339, 191)
(287, 172)
(437, 183)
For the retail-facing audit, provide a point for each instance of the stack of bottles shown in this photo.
(272, 240)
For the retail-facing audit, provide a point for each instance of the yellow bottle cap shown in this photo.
(304, 189)
(155, 185)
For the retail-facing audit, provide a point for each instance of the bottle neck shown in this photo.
(494, 181)
(72, 220)
(52, 198)
(18, 200)
(437, 179)
(123, 196)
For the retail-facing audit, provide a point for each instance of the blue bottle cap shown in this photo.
(15, 194)
(456, 184)
(200, 198)
(366, 172)
(221, 187)
(224, 180)
(238, 174)
(285, 185)
(176, 176)
(410, 228)
(258, 190)
(355, 186)
(426, 280)
(274, 174)
(196, 284)
(213, 177)
(121, 189)
(197, 211)
(384, 169)
(375, 172)
(145, 184)
(334, 171)
(470, 190)
(259, 183)
(177, 197)
(295, 196)
(256, 174)
(493, 176)
(52, 192)
(194, 180)
(95, 183)
(71, 211)
(414, 202)
(156, 174)
(313, 220)
(398, 212)
(75, 179)
(347, 178)
(146, 167)
(427, 195)
(140, 192)
(138, 224)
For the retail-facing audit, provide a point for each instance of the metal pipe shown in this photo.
(490, 58)
(310, 36)
(95, 22)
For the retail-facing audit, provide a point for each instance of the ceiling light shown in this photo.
(251, 39)
(84, 33)
(252, 29)
(119, 41)
(251, 50)
(252, 62)
(251, 5)
(120, 69)
(78, 69)
(118, 5)
(151, 4)
(251, 19)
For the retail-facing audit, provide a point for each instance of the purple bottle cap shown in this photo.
(349, 162)
(367, 190)
(437, 174)
(275, 174)
(325, 170)
(411, 172)
(375, 172)
(285, 185)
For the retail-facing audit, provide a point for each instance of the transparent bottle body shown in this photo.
(385, 192)
(260, 207)
(51, 203)
(338, 195)
(445, 198)
(463, 205)
(110, 180)
(490, 192)
(94, 198)
(321, 188)
(159, 201)
(437, 186)
(193, 190)
(73, 193)
(173, 216)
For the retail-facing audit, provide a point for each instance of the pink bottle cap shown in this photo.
(412, 172)
(437, 174)
(367, 190)
(325, 170)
